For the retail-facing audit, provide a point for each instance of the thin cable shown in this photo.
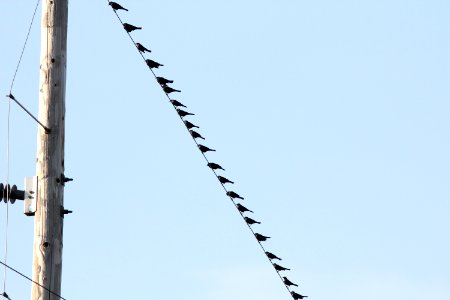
(31, 280)
(24, 45)
(206, 159)
(7, 192)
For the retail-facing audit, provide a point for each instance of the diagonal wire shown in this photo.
(206, 159)
(31, 280)
(47, 130)
(24, 45)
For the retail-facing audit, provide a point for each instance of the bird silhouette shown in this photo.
(272, 256)
(288, 282)
(196, 135)
(183, 113)
(116, 6)
(215, 166)
(224, 180)
(297, 296)
(188, 124)
(163, 81)
(250, 221)
(261, 237)
(141, 48)
(204, 148)
(153, 64)
(130, 28)
(177, 103)
(234, 195)
(242, 208)
(169, 90)
(280, 268)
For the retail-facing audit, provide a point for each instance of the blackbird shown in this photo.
(153, 64)
(130, 28)
(116, 6)
(234, 195)
(141, 48)
(224, 180)
(204, 148)
(261, 237)
(183, 113)
(215, 166)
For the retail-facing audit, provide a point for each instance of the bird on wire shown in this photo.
(272, 256)
(116, 6)
(224, 180)
(297, 296)
(141, 48)
(183, 113)
(188, 124)
(153, 64)
(242, 208)
(250, 221)
(177, 104)
(129, 28)
(167, 89)
(234, 195)
(288, 282)
(261, 237)
(280, 268)
(163, 81)
(196, 135)
(204, 148)
(215, 166)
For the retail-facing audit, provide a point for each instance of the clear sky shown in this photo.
(332, 117)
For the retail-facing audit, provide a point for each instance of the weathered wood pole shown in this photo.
(48, 224)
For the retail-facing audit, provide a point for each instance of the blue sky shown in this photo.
(331, 117)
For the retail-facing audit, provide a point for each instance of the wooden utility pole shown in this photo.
(48, 225)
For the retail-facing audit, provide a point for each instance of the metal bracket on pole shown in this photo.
(31, 193)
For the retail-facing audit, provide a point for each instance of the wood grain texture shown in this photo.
(47, 252)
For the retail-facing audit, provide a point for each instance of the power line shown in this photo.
(8, 120)
(10, 95)
(198, 146)
(8, 138)
(31, 280)
(24, 45)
